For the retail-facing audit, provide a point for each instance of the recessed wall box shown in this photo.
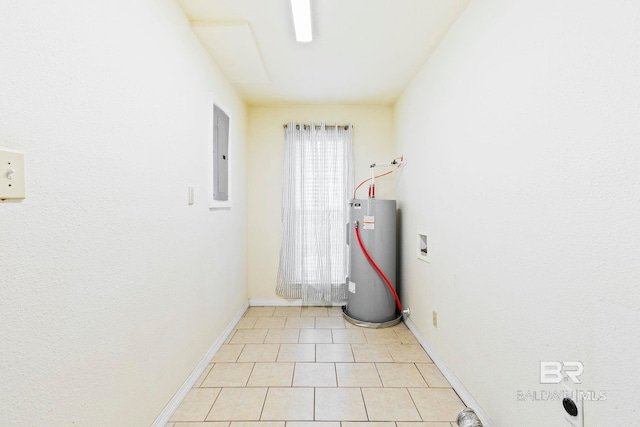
(422, 247)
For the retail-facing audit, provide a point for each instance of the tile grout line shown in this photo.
(414, 404)
(423, 377)
(246, 384)
(264, 402)
(364, 403)
(212, 404)
(375, 365)
(238, 356)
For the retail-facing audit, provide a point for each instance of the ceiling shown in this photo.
(363, 51)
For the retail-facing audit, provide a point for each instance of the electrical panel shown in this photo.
(220, 155)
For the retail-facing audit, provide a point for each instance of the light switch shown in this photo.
(190, 195)
(11, 175)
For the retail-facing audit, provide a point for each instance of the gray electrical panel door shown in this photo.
(220, 154)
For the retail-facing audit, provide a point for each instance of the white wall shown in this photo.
(522, 134)
(112, 288)
(372, 142)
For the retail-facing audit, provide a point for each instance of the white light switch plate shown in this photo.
(11, 175)
(190, 195)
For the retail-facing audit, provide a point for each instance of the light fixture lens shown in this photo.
(302, 19)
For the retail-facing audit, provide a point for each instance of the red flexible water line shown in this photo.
(377, 269)
(369, 179)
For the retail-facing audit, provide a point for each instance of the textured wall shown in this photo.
(372, 142)
(522, 137)
(112, 288)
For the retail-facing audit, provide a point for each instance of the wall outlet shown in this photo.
(435, 318)
(572, 406)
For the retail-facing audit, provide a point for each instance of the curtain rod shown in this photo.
(326, 126)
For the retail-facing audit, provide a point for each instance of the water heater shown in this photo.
(370, 301)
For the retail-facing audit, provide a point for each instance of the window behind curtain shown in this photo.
(316, 186)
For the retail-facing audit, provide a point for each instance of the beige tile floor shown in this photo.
(307, 367)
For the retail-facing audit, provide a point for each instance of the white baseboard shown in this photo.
(177, 398)
(282, 302)
(464, 394)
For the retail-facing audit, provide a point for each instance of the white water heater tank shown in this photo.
(369, 299)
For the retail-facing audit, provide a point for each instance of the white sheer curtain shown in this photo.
(318, 178)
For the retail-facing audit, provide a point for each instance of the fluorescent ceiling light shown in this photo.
(302, 19)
